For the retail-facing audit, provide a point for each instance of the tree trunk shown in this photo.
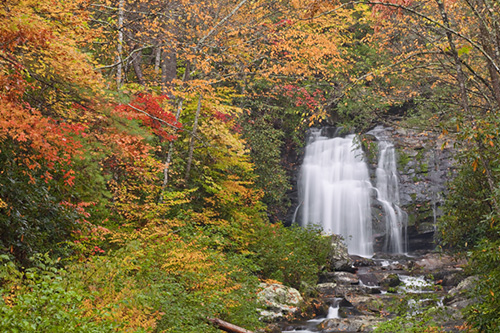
(192, 140)
(136, 63)
(227, 327)
(119, 67)
(168, 69)
(157, 59)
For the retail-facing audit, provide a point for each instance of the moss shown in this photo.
(424, 168)
(403, 159)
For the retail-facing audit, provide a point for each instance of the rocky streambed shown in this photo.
(362, 293)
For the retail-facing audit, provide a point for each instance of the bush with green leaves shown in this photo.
(42, 300)
(483, 314)
(293, 255)
(463, 225)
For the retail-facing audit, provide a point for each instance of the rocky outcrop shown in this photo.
(425, 165)
(339, 258)
(278, 301)
(359, 324)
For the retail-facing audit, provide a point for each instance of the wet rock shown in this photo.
(349, 312)
(313, 308)
(339, 257)
(278, 301)
(452, 279)
(368, 278)
(326, 289)
(374, 304)
(345, 290)
(464, 285)
(359, 261)
(359, 324)
(346, 278)
(437, 262)
(325, 277)
(390, 281)
(457, 297)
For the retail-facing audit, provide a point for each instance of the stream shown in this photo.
(383, 285)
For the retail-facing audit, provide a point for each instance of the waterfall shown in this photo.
(387, 186)
(335, 191)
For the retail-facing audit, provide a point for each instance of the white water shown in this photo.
(335, 190)
(414, 284)
(387, 185)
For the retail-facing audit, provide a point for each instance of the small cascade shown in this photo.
(333, 312)
(335, 190)
(388, 195)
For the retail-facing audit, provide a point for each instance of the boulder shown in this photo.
(464, 286)
(344, 290)
(278, 301)
(326, 289)
(358, 324)
(435, 262)
(346, 278)
(374, 304)
(457, 297)
(390, 281)
(339, 256)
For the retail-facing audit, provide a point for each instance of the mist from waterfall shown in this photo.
(336, 193)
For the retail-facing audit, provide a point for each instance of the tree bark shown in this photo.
(171, 147)
(168, 69)
(227, 327)
(136, 63)
(119, 67)
(192, 140)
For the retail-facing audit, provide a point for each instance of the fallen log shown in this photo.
(227, 327)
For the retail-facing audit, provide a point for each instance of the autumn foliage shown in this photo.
(144, 144)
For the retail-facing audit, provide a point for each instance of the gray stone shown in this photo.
(390, 281)
(346, 290)
(339, 256)
(326, 289)
(346, 278)
(278, 301)
(464, 285)
(359, 324)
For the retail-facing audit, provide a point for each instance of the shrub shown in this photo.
(293, 255)
(44, 302)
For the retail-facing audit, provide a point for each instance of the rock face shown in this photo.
(278, 301)
(425, 165)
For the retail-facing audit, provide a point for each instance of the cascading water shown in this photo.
(387, 186)
(335, 192)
